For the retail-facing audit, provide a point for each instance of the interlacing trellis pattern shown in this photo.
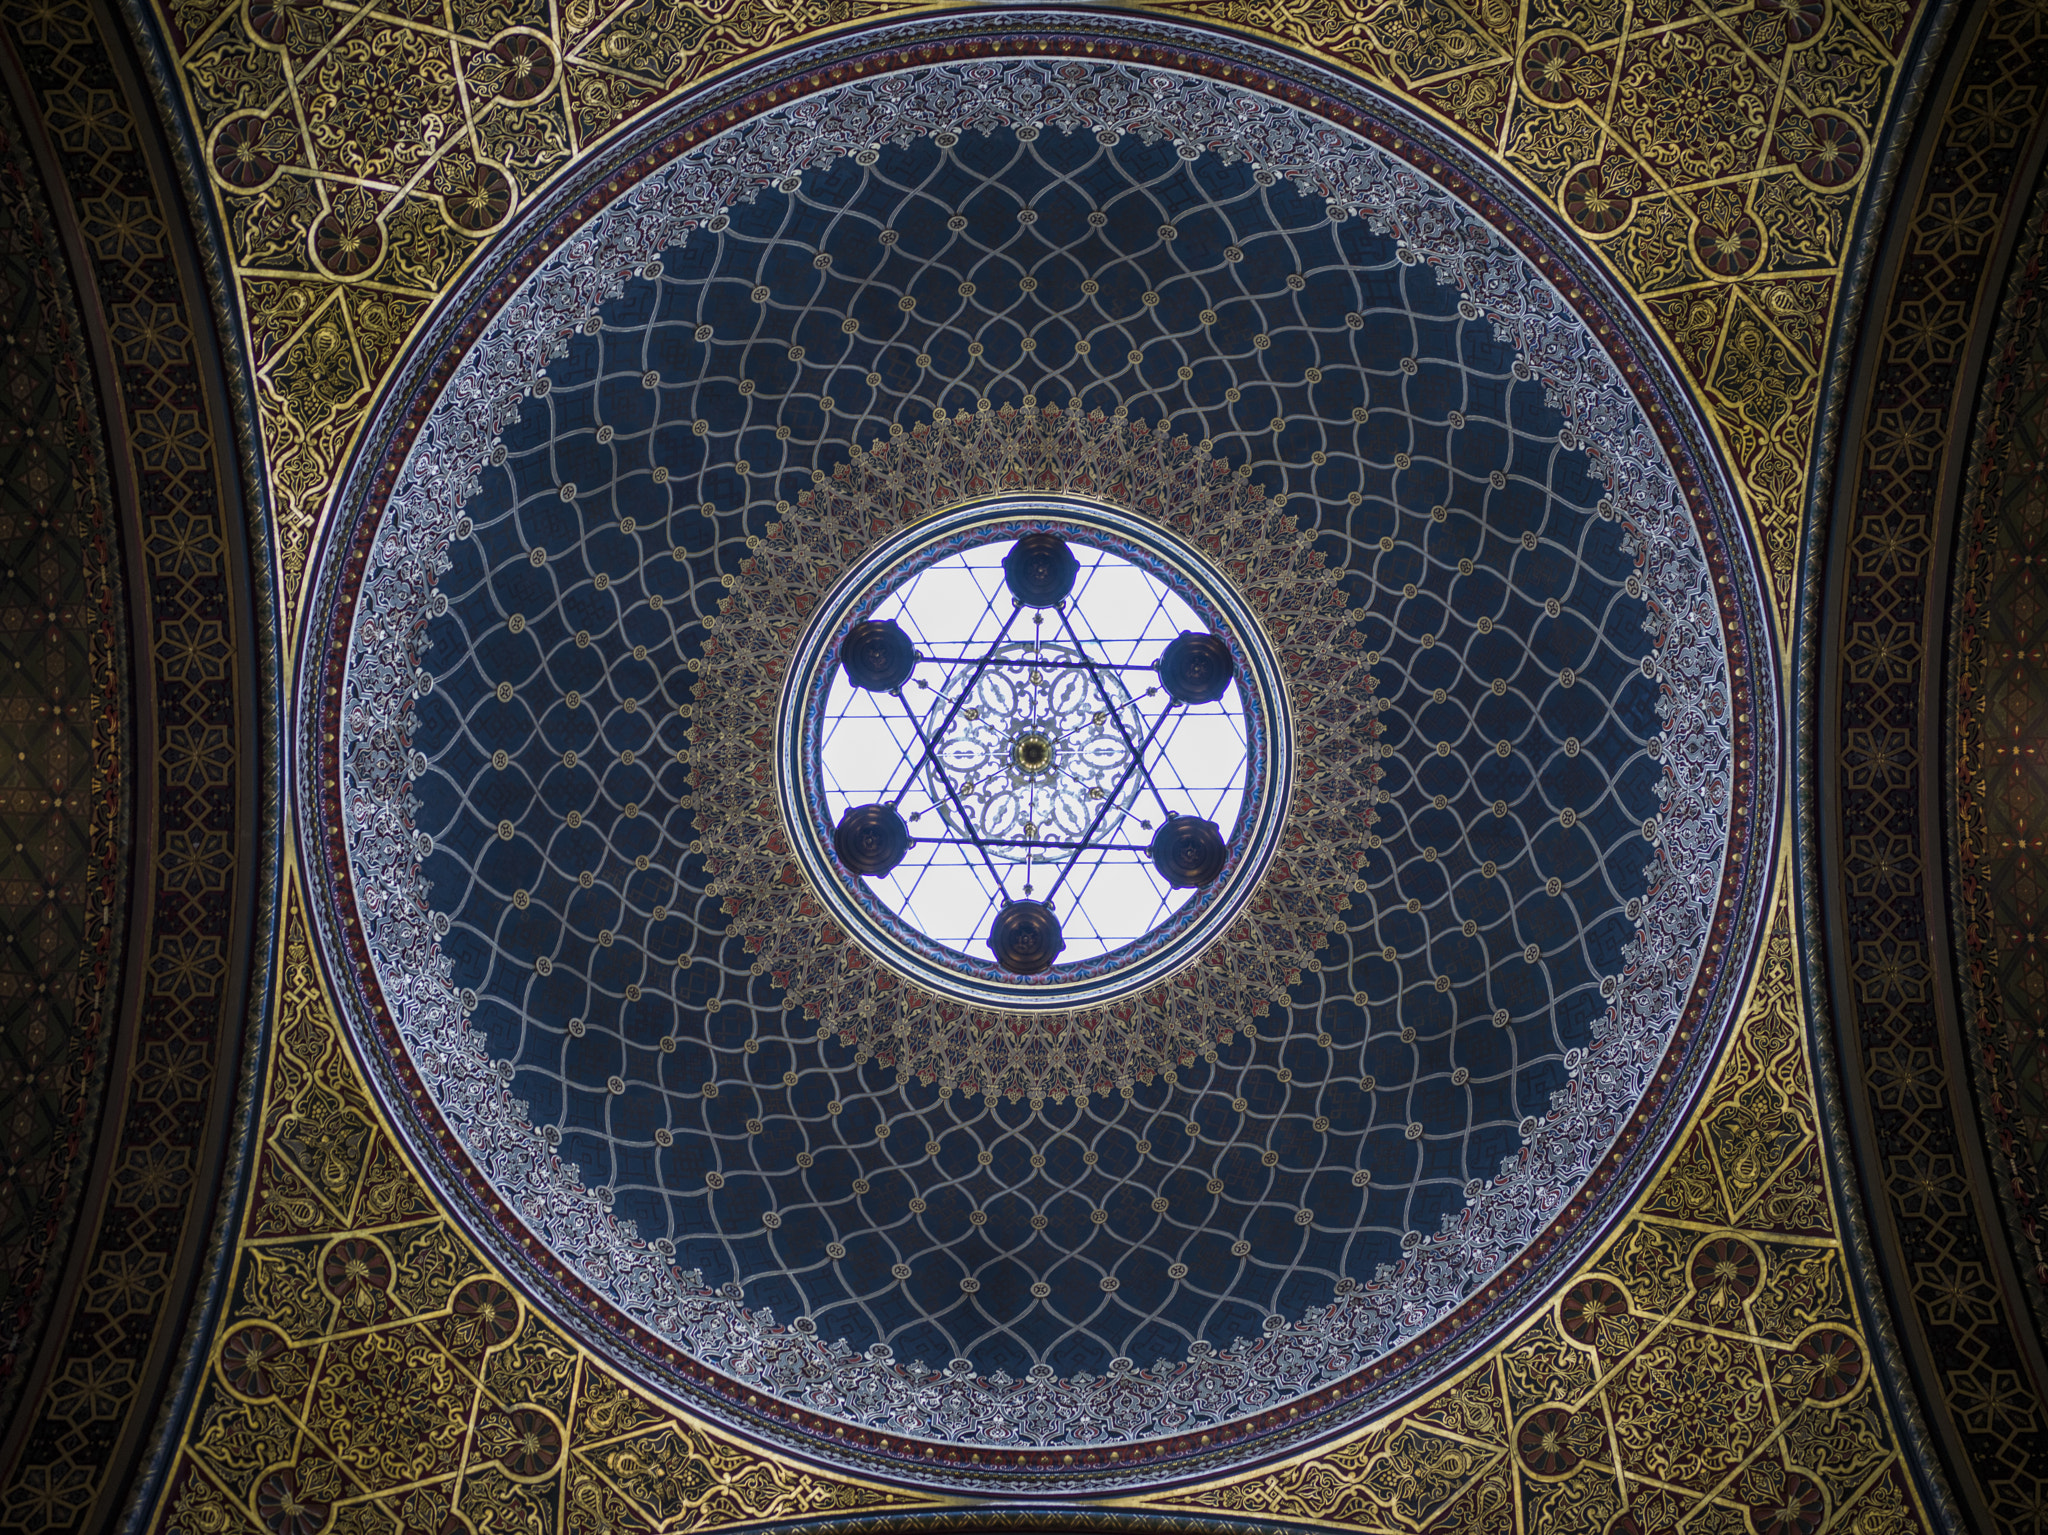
(361, 154)
(1510, 1206)
(1715, 157)
(1749, 341)
(1728, 1289)
(1704, 1372)
(1287, 582)
(372, 1375)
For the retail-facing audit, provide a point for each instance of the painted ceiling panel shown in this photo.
(1561, 707)
(885, 287)
(568, 1200)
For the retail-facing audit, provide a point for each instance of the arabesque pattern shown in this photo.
(372, 1374)
(1743, 284)
(360, 155)
(1940, 1222)
(446, 977)
(1714, 155)
(1705, 1371)
(1999, 733)
(108, 1334)
(1708, 1366)
(65, 758)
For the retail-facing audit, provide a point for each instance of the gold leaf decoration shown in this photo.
(1706, 1374)
(1301, 897)
(382, 1372)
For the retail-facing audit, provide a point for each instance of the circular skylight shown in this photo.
(1035, 741)
(1033, 754)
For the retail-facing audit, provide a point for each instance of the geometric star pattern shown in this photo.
(1452, 61)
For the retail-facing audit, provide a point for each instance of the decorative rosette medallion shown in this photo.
(1131, 1010)
(1032, 772)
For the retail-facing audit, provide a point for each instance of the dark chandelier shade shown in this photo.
(878, 655)
(871, 839)
(1040, 570)
(1026, 937)
(1188, 851)
(1196, 669)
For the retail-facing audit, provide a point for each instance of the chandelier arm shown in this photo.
(946, 724)
(953, 794)
(1107, 666)
(1109, 803)
(1117, 719)
(1038, 842)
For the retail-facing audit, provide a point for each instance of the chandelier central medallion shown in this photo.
(1035, 757)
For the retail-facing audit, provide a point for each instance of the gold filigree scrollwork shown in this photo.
(1707, 1370)
(372, 1374)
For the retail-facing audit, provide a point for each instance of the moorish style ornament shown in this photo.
(1063, 1206)
(1319, 827)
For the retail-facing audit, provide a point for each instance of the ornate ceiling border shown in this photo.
(58, 1046)
(1992, 880)
(1731, 1270)
(116, 1356)
(1748, 324)
(1481, 101)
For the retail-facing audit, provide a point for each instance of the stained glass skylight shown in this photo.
(1033, 753)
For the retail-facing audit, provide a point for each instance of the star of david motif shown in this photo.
(1040, 756)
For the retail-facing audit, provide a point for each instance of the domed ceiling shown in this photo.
(604, 971)
(967, 767)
